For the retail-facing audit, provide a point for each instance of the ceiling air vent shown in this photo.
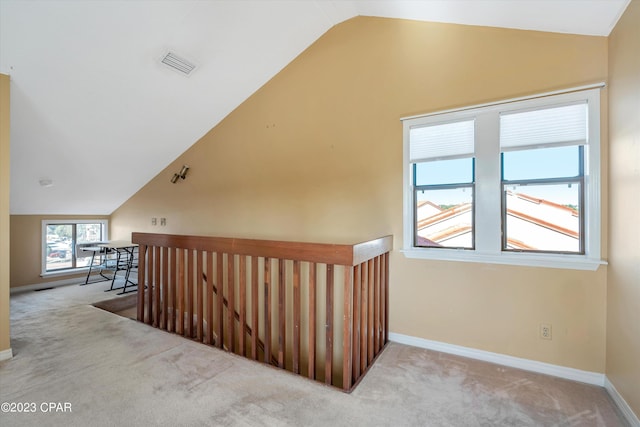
(176, 63)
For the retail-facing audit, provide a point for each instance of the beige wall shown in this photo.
(623, 290)
(316, 155)
(5, 343)
(26, 249)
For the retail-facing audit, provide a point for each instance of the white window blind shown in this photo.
(557, 126)
(441, 141)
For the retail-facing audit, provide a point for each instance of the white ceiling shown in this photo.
(94, 111)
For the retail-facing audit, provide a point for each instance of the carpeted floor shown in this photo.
(108, 370)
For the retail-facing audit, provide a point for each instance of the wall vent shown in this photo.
(176, 63)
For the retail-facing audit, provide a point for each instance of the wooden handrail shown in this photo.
(326, 253)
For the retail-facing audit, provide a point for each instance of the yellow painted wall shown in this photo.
(26, 249)
(5, 343)
(623, 282)
(316, 155)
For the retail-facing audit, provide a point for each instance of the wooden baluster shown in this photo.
(165, 289)
(254, 308)
(357, 280)
(220, 300)
(231, 321)
(142, 253)
(149, 284)
(199, 282)
(386, 297)
(383, 303)
(370, 287)
(188, 280)
(376, 306)
(312, 321)
(282, 315)
(180, 296)
(328, 363)
(156, 286)
(267, 310)
(151, 279)
(242, 283)
(149, 305)
(171, 285)
(296, 317)
(347, 333)
(174, 288)
(364, 294)
(210, 285)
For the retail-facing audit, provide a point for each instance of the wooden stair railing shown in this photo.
(281, 299)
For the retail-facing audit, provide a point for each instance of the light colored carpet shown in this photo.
(114, 371)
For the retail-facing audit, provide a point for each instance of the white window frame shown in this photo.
(43, 254)
(488, 226)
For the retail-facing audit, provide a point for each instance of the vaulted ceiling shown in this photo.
(95, 114)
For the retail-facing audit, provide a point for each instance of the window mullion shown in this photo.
(74, 240)
(488, 194)
(592, 202)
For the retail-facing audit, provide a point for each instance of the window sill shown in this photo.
(572, 262)
(68, 272)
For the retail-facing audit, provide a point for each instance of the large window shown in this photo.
(515, 182)
(59, 239)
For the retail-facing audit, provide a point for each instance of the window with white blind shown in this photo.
(513, 182)
(442, 159)
(542, 157)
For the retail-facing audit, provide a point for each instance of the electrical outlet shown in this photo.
(154, 221)
(163, 221)
(545, 331)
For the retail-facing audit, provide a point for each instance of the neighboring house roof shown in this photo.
(422, 203)
(543, 202)
(444, 215)
(451, 232)
(518, 244)
(543, 223)
(423, 241)
(560, 220)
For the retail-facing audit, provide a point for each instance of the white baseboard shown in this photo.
(502, 359)
(622, 404)
(6, 354)
(46, 285)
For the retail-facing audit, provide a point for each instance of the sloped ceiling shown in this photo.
(95, 112)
